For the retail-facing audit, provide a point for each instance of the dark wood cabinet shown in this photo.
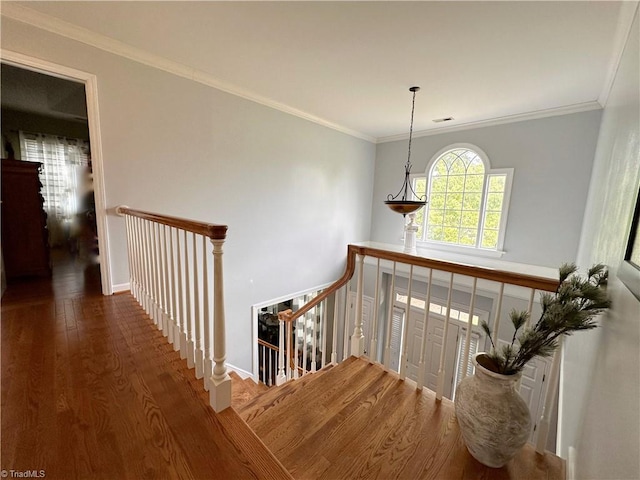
(25, 240)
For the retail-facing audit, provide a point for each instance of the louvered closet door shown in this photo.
(473, 349)
(396, 338)
(435, 333)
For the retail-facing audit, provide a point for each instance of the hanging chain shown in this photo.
(413, 107)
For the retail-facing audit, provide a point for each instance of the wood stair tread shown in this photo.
(357, 420)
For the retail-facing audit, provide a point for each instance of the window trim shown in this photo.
(467, 249)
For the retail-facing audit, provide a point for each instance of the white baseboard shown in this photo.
(243, 373)
(121, 287)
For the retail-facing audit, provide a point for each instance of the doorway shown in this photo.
(50, 116)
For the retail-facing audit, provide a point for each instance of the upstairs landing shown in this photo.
(355, 420)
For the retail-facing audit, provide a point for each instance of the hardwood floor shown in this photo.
(357, 421)
(91, 389)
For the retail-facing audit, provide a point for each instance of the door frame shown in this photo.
(90, 82)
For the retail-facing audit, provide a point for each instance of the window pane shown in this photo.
(454, 201)
(451, 235)
(439, 184)
(489, 238)
(437, 200)
(470, 219)
(435, 233)
(451, 218)
(468, 236)
(458, 168)
(436, 217)
(456, 183)
(494, 201)
(497, 183)
(474, 183)
(476, 167)
(492, 220)
(420, 187)
(472, 201)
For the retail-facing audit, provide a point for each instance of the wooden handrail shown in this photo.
(486, 273)
(211, 230)
(268, 345)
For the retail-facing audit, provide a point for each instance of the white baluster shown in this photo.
(197, 323)
(405, 329)
(334, 330)
(467, 341)
(549, 399)
(152, 275)
(135, 286)
(289, 326)
(147, 266)
(530, 306)
(167, 331)
(422, 367)
(314, 333)
(220, 385)
(392, 295)
(182, 324)
(162, 280)
(206, 318)
(137, 261)
(496, 321)
(282, 376)
(262, 362)
(127, 226)
(441, 368)
(189, 316)
(357, 339)
(347, 321)
(295, 347)
(373, 348)
(157, 273)
(174, 288)
(305, 320)
(526, 325)
(323, 329)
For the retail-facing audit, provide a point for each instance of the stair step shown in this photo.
(357, 420)
(258, 405)
(244, 390)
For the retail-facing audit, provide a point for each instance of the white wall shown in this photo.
(552, 158)
(600, 389)
(293, 193)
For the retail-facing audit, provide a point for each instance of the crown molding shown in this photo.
(520, 117)
(628, 11)
(54, 25)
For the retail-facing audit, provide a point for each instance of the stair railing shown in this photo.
(383, 343)
(169, 276)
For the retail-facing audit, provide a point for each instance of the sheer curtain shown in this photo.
(64, 178)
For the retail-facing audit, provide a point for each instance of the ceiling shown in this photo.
(350, 64)
(32, 92)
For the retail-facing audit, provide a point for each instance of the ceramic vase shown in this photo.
(494, 420)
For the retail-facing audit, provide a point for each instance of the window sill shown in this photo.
(459, 249)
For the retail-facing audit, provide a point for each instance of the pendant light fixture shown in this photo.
(404, 204)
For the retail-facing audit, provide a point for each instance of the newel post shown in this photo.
(220, 383)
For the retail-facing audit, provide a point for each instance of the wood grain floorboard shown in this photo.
(91, 389)
(357, 421)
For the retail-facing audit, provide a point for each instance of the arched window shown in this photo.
(467, 200)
